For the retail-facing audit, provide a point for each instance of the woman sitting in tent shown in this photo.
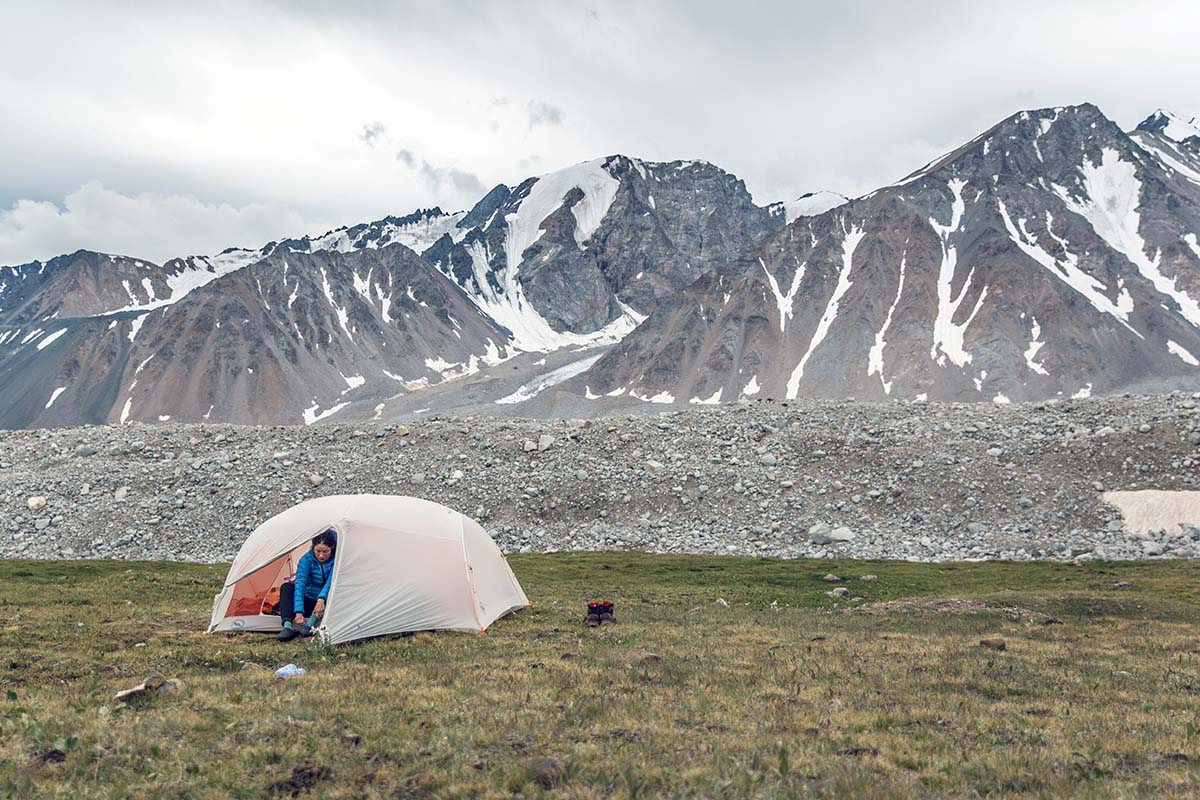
(302, 604)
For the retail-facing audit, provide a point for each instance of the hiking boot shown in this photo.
(606, 612)
(287, 634)
(593, 615)
(306, 630)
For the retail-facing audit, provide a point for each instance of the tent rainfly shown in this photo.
(402, 564)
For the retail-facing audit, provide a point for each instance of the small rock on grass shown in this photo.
(155, 682)
(831, 578)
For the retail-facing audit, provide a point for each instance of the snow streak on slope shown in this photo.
(1067, 270)
(531, 332)
(875, 357)
(552, 378)
(853, 237)
(1035, 344)
(1184, 355)
(785, 302)
(1168, 160)
(54, 395)
(948, 336)
(44, 343)
(1192, 243)
(1112, 194)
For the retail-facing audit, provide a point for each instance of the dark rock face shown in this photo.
(601, 234)
(1051, 256)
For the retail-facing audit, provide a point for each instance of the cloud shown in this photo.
(790, 97)
(542, 113)
(148, 225)
(452, 178)
(439, 178)
(372, 132)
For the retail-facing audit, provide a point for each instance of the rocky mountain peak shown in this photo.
(1039, 144)
(1170, 125)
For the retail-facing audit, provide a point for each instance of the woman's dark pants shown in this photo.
(287, 600)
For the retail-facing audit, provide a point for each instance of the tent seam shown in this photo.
(462, 536)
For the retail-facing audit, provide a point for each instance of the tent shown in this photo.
(402, 564)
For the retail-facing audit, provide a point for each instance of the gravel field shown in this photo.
(846, 479)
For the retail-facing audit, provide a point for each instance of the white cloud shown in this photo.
(147, 225)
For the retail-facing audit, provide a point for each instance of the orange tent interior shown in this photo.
(258, 592)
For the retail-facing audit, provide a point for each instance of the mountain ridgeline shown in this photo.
(1052, 256)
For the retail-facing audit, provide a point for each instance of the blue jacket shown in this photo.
(312, 580)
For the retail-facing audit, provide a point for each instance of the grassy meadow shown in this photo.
(779, 691)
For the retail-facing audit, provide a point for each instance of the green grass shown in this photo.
(784, 693)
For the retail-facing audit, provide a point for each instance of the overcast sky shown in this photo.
(159, 129)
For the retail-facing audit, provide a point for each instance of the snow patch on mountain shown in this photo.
(544, 198)
(1112, 194)
(507, 304)
(312, 415)
(947, 335)
(713, 400)
(809, 205)
(1175, 127)
(54, 395)
(553, 378)
(1179, 350)
(44, 343)
(1190, 239)
(1035, 344)
(508, 307)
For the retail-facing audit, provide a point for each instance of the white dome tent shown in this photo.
(402, 564)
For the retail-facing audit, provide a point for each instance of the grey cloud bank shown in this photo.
(158, 130)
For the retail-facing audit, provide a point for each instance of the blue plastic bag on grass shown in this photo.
(289, 670)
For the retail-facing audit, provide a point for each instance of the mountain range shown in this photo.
(1052, 256)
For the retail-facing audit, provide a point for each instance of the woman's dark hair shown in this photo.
(328, 538)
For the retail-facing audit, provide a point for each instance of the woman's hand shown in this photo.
(319, 609)
(298, 619)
